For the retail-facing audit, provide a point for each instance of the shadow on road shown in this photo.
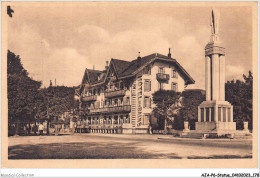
(79, 150)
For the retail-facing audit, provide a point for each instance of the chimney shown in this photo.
(169, 54)
(93, 67)
(50, 83)
(138, 60)
(106, 65)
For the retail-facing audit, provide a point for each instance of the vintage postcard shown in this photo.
(129, 85)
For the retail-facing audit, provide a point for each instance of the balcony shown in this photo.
(161, 76)
(111, 94)
(89, 98)
(116, 109)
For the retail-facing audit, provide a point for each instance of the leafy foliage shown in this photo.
(191, 100)
(55, 101)
(22, 90)
(168, 104)
(239, 94)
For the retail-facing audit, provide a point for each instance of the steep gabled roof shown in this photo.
(130, 68)
(90, 76)
(133, 65)
(120, 65)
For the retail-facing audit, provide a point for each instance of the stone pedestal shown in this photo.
(186, 126)
(215, 116)
(246, 127)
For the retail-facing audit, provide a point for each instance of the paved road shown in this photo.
(108, 146)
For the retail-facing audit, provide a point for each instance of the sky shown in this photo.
(62, 40)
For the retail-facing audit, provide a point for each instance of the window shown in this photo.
(121, 101)
(174, 87)
(110, 120)
(146, 119)
(147, 70)
(115, 102)
(97, 104)
(147, 102)
(161, 70)
(104, 120)
(117, 86)
(147, 85)
(127, 119)
(174, 73)
(127, 101)
(121, 121)
(115, 119)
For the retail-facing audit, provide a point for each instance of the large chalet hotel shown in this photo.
(119, 98)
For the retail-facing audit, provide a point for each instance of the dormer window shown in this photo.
(174, 86)
(174, 73)
(147, 70)
(161, 70)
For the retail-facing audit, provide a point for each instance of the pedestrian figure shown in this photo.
(56, 129)
(41, 128)
(25, 129)
(150, 130)
(75, 128)
(35, 129)
(28, 129)
(59, 127)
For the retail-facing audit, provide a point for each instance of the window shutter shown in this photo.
(150, 103)
(150, 85)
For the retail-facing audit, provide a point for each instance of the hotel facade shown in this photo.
(118, 99)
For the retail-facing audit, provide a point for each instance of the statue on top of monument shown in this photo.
(214, 23)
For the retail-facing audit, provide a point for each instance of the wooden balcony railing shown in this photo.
(115, 109)
(161, 76)
(110, 94)
(89, 98)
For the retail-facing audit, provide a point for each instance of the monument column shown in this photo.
(207, 78)
(215, 77)
(222, 78)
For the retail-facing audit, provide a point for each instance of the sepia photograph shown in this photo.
(128, 82)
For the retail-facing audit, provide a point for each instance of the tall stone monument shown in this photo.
(215, 114)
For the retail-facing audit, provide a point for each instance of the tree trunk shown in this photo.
(48, 127)
(17, 128)
(165, 126)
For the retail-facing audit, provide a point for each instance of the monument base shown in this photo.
(216, 117)
(220, 127)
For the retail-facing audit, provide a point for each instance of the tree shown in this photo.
(22, 92)
(54, 101)
(168, 104)
(239, 94)
(191, 100)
